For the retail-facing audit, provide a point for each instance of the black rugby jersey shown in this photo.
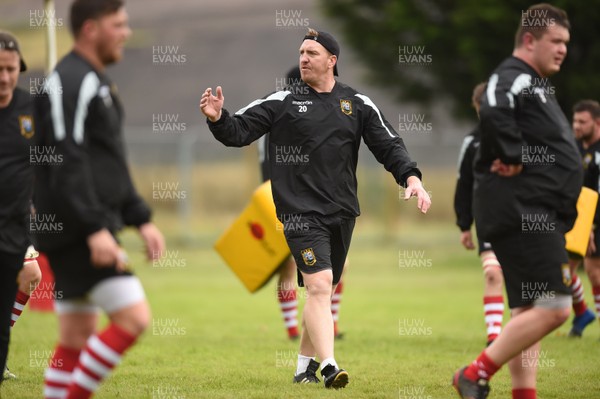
(591, 172)
(17, 129)
(313, 145)
(89, 187)
(522, 123)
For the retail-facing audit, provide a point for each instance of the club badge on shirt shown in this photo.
(346, 106)
(308, 256)
(26, 125)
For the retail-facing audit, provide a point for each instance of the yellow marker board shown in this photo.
(578, 238)
(254, 245)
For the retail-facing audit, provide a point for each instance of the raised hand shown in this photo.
(211, 105)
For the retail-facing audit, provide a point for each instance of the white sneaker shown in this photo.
(8, 375)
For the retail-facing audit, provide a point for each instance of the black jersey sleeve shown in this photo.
(134, 210)
(249, 123)
(386, 144)
(498, 115)
(463, 195)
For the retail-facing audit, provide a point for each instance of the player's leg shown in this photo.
(536, 284)
(10, 265)
(312, 256)
(336, 301)
(520, 334)
(592, 268)
(316, 317)
(583, 315)
(493, 299)
(287, 296)
(341, 229)
(77, 320)
(307, 366)
(523, 370)
(28, 279)
(123, 299)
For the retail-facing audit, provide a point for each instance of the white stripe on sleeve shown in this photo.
(87, 91)
(53, 88)
(370, 103)
(280, 95)
(491, 90)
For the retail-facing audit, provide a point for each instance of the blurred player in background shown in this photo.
(286, 284)
(19, 272)
(91, 194)
(323, 127)
(514, 192)
(586, 127)
(493, 300)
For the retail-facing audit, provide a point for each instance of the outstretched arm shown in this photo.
(247, 124)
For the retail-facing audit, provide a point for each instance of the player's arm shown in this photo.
(498, 120)
(136, 213)
(390, 151)
(247, 125)
(463, 195)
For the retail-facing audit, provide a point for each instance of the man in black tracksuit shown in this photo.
(315, 132)
(528, 178)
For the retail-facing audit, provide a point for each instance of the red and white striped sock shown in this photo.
(20, 302)
(596, 292)
(57, 376)
(335, 305)
(289, 310)
(579, 305)
(493, 307)
(101, 354)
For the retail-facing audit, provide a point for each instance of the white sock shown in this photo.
(303, 363)
(327, 362)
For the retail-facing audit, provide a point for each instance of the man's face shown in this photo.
(10, 65)
(550, 50)
(112, 33)
(583, 125)
(315, 61)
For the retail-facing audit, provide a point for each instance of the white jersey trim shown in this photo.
(370, 103)
(279, 96)
(87, 91)
(463, 150)
(53, 88)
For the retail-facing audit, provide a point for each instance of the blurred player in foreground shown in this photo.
(91, 194)
(493, 300)
(528, 177)
(19, 272)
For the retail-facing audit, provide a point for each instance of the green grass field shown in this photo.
(406, 329)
